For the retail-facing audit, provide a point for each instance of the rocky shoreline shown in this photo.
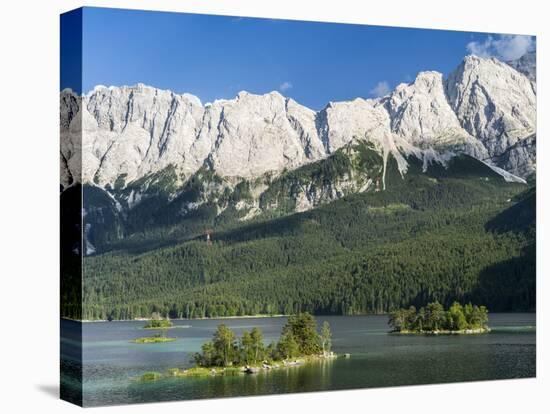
(445, 332)
(237, 370)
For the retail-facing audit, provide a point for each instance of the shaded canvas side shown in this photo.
(71, 207)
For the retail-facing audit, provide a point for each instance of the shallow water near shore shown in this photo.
(112, 363)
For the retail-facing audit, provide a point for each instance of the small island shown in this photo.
(153, 339)
(226, 354)
(158, 322)
(435, 320)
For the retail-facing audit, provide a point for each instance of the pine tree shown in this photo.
(325, 338)
(304, 330)
(224, 345)
(288, 347)
(257, 343)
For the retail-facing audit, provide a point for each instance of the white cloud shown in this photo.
(285, 86)
(504, 47)
(381, 89)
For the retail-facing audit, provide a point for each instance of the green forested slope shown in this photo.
(460, 233)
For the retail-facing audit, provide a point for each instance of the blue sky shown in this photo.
(216, 57)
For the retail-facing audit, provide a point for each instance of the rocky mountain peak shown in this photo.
(493, 102)
(420, 114)
(428, 80)
(485, 109)
(527, 64)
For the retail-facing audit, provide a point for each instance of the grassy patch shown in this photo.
(151, 376)
(153, 340)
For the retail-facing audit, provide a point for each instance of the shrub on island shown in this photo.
(158, 322)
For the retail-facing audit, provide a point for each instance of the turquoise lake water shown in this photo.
(112, 364)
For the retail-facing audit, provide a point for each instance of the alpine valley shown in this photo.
(259, 205)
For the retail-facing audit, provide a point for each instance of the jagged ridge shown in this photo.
(167, 156)
(484, 108)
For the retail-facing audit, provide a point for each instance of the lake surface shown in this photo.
(112, 364)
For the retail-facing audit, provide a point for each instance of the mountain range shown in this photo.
(140, 146)
(485, 108)
(423, 194)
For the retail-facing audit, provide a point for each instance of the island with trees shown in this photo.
(157, 338)
(156, 322)
(433, 319)
(225, 354)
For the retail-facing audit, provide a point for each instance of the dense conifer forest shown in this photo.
(457, 234)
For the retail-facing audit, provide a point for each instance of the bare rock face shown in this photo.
(520, 158)
(70, 125)
(118, 135)
(136, 131)
(256, 134)
(303, 121)
(422, 116)
(493, 102)
(527, 64)
(362, 120)
(340, 122)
